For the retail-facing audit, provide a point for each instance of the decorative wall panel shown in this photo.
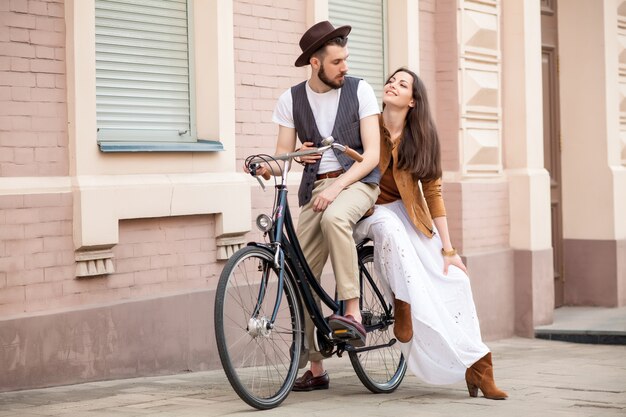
(621, 34)
(479, 87)
(547, 6)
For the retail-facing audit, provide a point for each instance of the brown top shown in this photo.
(421, 208)
(388, 188)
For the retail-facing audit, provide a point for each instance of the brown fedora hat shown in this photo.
(316, 36)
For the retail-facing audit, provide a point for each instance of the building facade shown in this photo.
(124, 125)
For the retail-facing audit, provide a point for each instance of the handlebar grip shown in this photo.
(267, 175)
(354, 154)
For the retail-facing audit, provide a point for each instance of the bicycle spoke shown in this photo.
(260, 359)
(381, 369)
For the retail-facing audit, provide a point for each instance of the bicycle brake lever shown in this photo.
(260, 182)
(253, 167)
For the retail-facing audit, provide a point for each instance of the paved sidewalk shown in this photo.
(543, 378)
(586, 324)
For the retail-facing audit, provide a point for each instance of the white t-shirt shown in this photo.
(324, 107)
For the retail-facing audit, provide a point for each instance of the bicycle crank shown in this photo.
(351, 348)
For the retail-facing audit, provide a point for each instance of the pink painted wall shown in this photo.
(266, 46)
(37, 269)
(33, 116)
(477, 210)
(36, 251)
(447, 95)
(485, 216)
(428, 51)
(154, 257)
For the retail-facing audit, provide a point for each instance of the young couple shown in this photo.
(436, 320)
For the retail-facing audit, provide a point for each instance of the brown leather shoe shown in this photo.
(346, 327)
(480, 376)
(308, 382)
(403, 327)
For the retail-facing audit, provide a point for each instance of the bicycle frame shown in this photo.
(284, 242)
(288, 253)
(362, 270)
(263, 369)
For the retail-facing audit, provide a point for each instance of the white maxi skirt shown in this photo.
(446, 334)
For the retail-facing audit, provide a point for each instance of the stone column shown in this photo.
(403, 31)
(593, 123)
(469, 119)
(529, 182)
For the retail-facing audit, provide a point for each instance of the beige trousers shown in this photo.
(329, 233)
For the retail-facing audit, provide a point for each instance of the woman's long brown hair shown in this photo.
(419, 151)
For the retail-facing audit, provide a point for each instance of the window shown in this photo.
(144, 81)
(367, 39)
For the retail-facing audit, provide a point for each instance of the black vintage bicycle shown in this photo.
(259, 316)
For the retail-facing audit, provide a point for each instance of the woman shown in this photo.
(435, 315)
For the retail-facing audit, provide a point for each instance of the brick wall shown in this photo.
(36, 251)
(477, 211)
(266, 46)
(162, 256)
(447, 103)
(485, 216)
(266, 34)
(33, 118)
(154, 257)
(478, 215)
(428, 56)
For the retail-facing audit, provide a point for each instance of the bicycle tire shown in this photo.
(380, 370)
(261, 363)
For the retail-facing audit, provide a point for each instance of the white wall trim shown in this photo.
(35, 185)
(403, 31)
(102, 201)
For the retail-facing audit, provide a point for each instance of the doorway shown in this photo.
(552, 136)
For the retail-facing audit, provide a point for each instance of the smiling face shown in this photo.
(398, 91)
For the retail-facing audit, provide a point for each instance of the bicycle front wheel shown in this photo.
(260, 358)
(381, 370)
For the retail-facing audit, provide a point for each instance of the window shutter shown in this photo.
(366, 40)
(142, 70)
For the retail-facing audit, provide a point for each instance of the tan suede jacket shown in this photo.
(421, 208)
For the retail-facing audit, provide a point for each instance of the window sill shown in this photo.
(199, 146)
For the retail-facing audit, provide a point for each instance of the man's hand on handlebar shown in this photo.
(309, 159)
(258, 170)
(261, 165)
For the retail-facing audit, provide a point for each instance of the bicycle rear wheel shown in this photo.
(381, 370)
(260, 358)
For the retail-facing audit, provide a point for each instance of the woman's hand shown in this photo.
(453, 260)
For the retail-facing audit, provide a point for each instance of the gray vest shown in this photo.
(345, 131)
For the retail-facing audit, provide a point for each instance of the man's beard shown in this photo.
(332, 84)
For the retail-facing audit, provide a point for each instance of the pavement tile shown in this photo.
(543, 378)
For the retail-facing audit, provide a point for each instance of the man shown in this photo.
(335, 191)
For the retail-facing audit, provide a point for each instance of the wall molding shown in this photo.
(100, 202)
(480, 88)
(35, 185)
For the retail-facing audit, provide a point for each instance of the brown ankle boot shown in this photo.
(403, 327)
(480, 375)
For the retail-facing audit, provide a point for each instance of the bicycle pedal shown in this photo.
(345, 334)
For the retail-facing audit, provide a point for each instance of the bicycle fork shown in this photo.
(262, 326)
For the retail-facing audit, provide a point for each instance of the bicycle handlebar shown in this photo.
(327, 143)
(350, 152)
